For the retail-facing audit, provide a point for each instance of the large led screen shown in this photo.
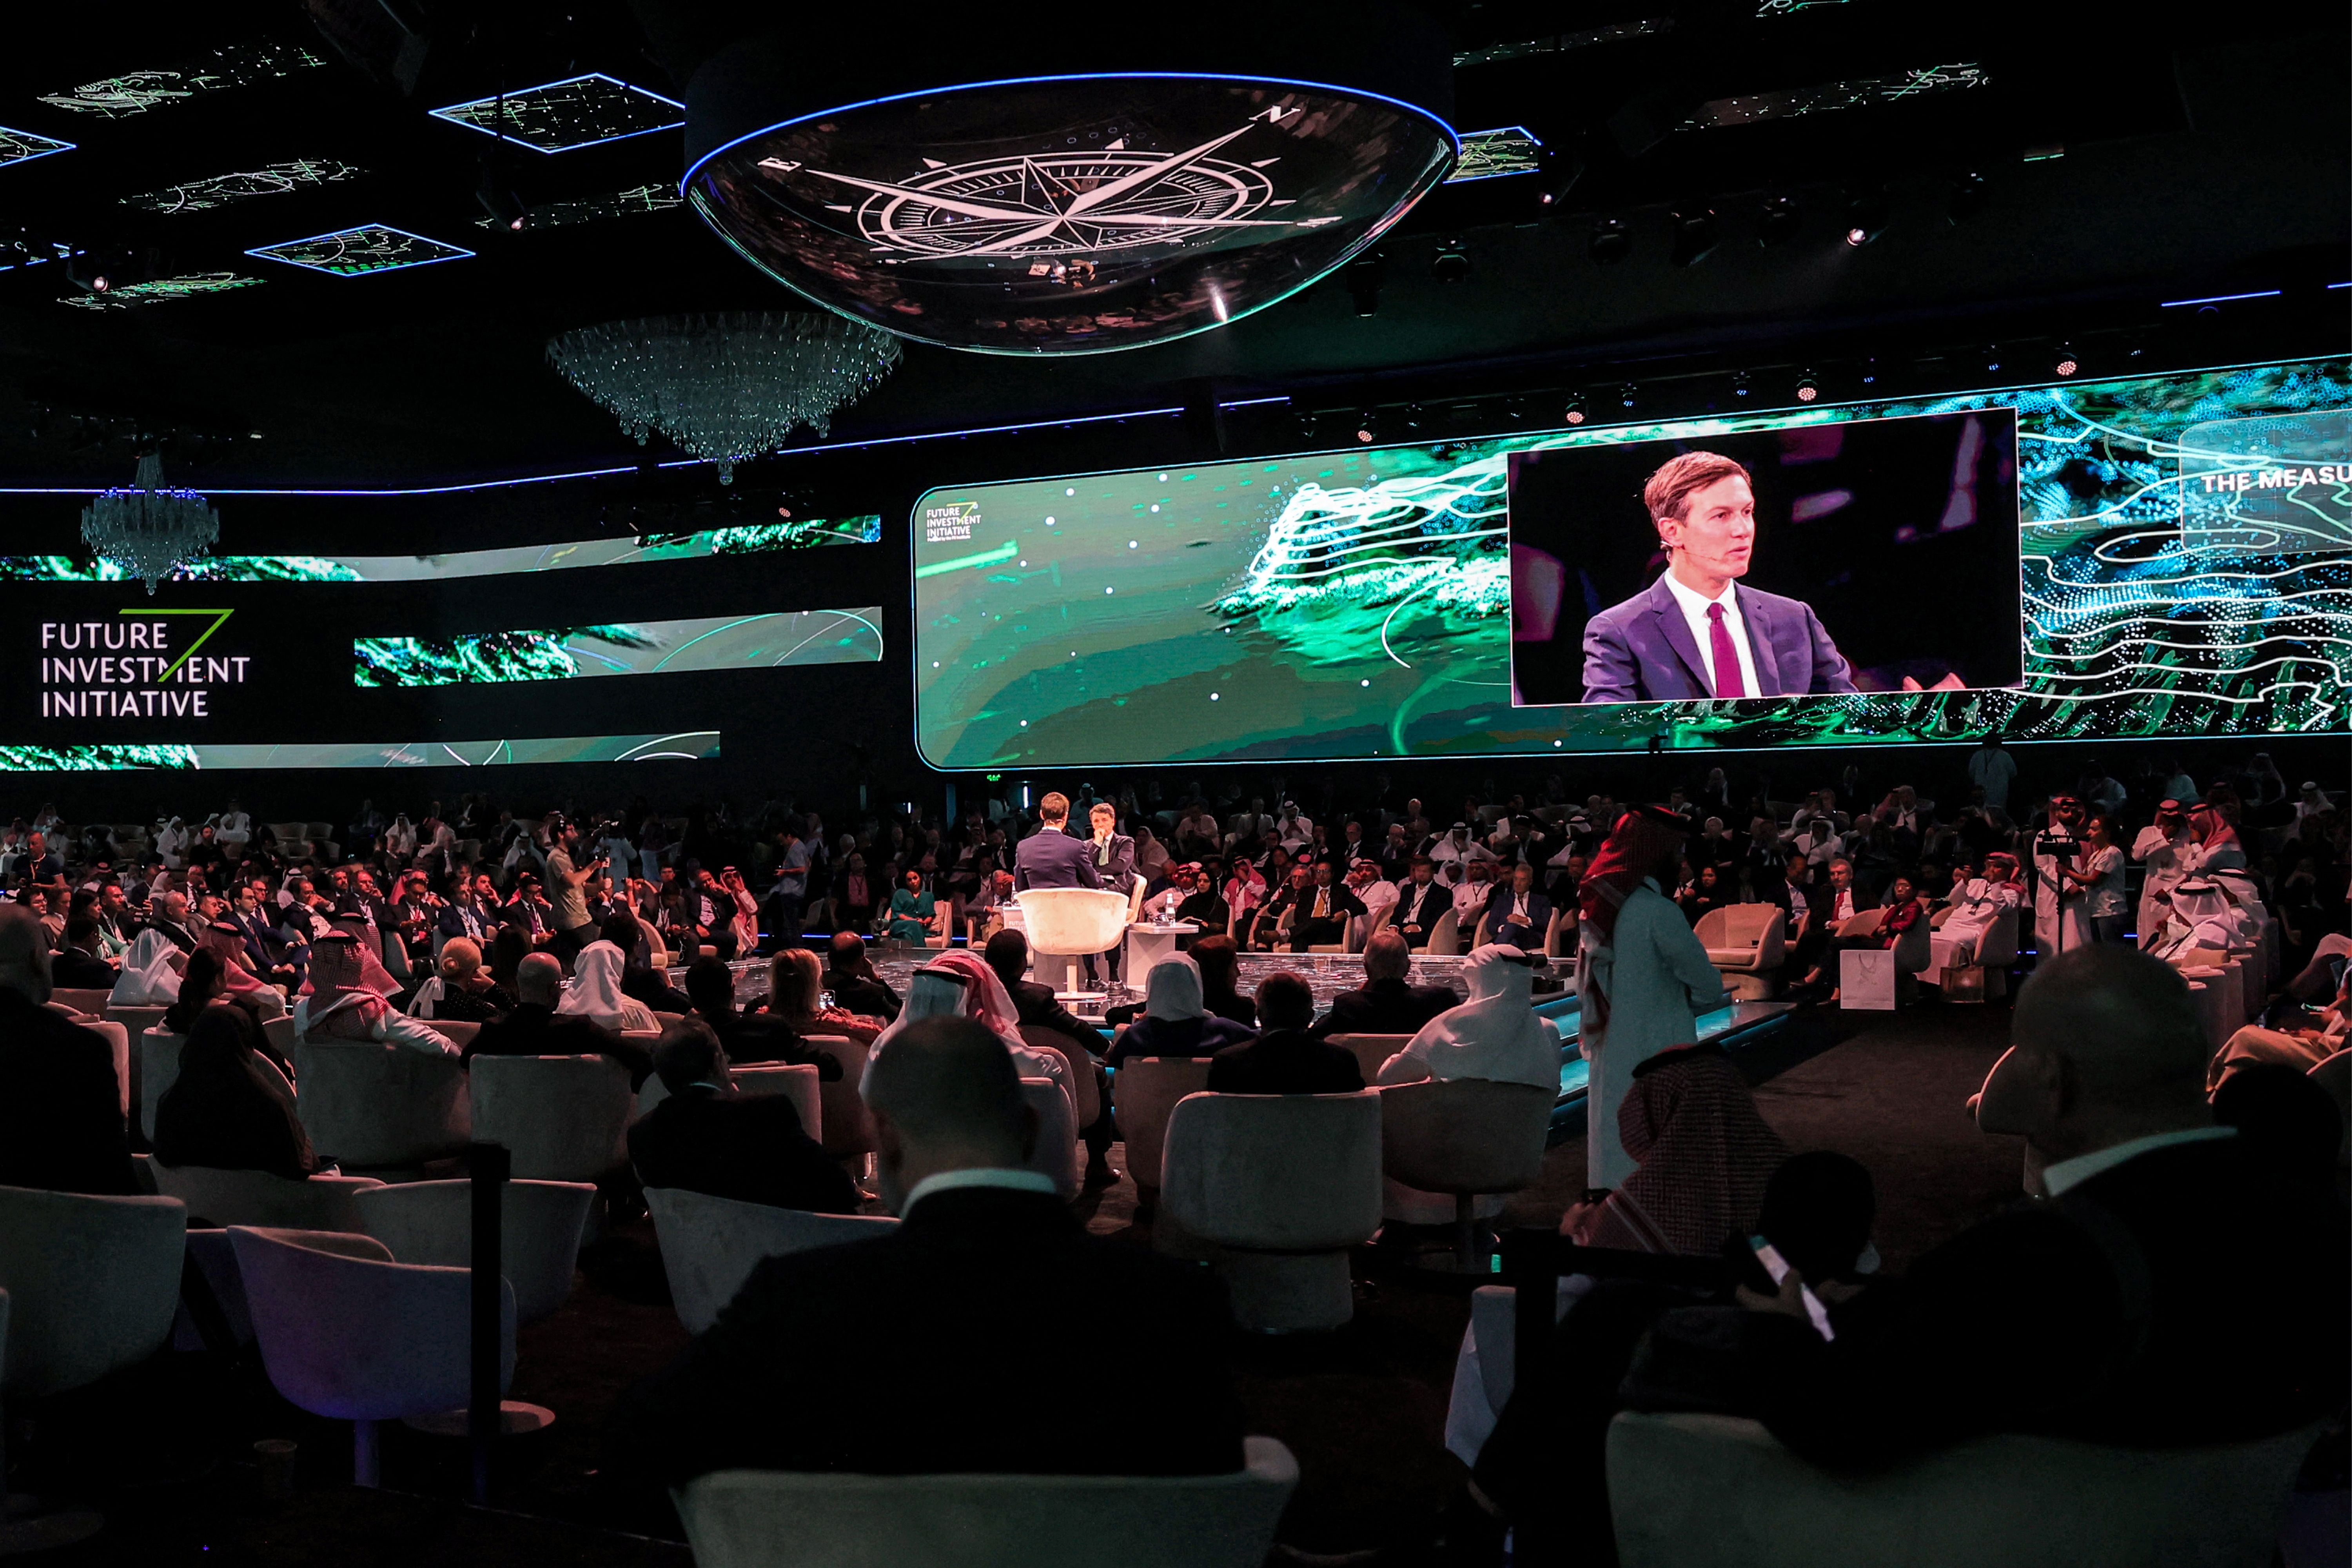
(2180, 545)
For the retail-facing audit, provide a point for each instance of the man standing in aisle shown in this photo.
(2159, 849)
(566, 881)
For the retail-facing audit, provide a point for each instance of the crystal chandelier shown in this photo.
(149, 529)
(725, 387)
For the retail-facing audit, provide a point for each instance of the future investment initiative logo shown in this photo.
(950, 522)
(144, 664)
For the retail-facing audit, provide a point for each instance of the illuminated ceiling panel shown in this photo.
(1853, 93)
(238, 65)
(591, 209)
(23, 146)
(371, 247)
(157, 289)
(1561, 43)
(1490, 154)
(563, 116)
(220, 189)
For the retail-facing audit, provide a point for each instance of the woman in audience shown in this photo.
(2100, 876)
(594, 992)
(341, 1005)
(1220, 965)
(795, 994)
(1174, 1021)
(1703, 1156)
(230, 1109)
(203, 983)
(463, 993)
(914, 913)
(1704, 894)
(150, 973)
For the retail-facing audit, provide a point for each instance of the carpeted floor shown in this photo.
(1363, 1408)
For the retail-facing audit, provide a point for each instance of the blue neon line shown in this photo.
(2221, 299)
(269, 252)
(1452, 136)
(51, 150)
(2340, 285)
(1253, 402)
(449, 112)
(984, 430)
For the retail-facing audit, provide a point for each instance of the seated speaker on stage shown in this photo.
(1322, 912)
(1050, 857)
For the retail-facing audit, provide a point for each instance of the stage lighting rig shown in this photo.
(1450, 264)
(1695, 235)
(1808, 388)
(1611, 240)
(2066, 361)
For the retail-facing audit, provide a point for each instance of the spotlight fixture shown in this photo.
(1776, 221)
(2066, 361)
(1741, 385)
(1625, 394)
(1808, 388)
(1364, 275)
(1695, 235)
(1866, 220)
(1575, 412)
(1968, 198)
(1450, 264)
(1611, 240)
(1562, 168)
(1368, 427)
(1993, 359)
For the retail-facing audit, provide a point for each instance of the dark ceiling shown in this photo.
(2109, 160)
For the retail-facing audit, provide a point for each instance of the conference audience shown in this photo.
(1285, 1058)
(1218, 958)
(459, 990)
(1495, 1036)
(851, 978)
(594, 992)
(535, 1027)
(749, 1037)
(61, 1124)
(231, 1109)
(796, 996)
(707, 1137)
(1386, 1002)
(1703, 1156)
(1174, 1021)
(345, 1001)
(1036, 1007)
(78, 966)
(984, 1254)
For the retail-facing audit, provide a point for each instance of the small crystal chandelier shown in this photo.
(149, 529)
(725, 387)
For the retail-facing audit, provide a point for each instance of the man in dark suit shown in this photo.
(2091, 1314)
(706, 1139)
(1039, 1008)
(983, 1254)
(1323, 912)
(1697, 632)
(853, 982)
(536, 1029)
(1384, 1004)
(275, 956)
(1285, 1058)
(1050, 857)
(61, 1126)
(1517, 914)
(1114, 851)
(1422, 902)
(77, 965)
(747, 1037)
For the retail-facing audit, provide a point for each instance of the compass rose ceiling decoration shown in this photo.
(1068, 210)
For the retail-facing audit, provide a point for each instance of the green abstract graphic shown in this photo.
(648, 647)
(2185, 561)
(694, 745)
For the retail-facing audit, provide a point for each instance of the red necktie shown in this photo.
(1726, 658)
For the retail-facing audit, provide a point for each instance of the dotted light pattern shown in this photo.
(219, 190)
(686, 745)
(237, 65)
(1489, 155)
(371, 247)
(1828, 96)
(561, 116)
(155, 291)
(593, 210)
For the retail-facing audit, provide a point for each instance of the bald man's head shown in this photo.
(2110, 1041)
(538, 979)
(946, 1097)
(1387, 956)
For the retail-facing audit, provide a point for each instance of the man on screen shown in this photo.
(1697, 632)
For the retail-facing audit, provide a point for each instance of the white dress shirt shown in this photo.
(2066, 1173)
(1694, 606)
(976, 1176)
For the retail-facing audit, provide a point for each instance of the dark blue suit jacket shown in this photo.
(1643, 651)
(1499, 904)
(1050, 857)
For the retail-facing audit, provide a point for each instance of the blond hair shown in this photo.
(794, 981)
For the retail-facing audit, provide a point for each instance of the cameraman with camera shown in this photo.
(567, 882)
(2061, 898)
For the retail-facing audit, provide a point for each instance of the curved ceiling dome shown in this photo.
(1009, 194)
